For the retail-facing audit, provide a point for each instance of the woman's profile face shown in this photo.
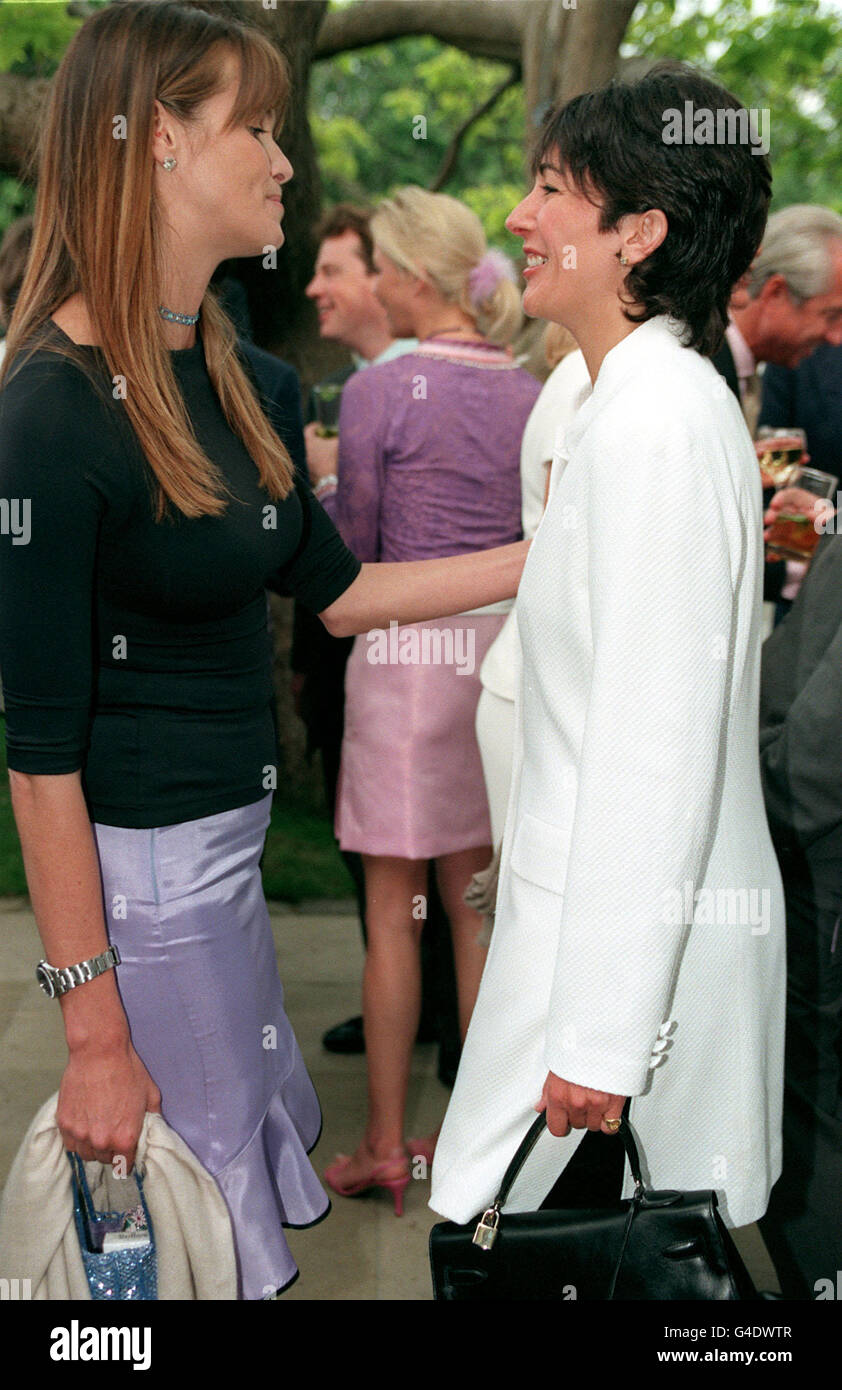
(227, 186)
(394, 289)
(571, 264)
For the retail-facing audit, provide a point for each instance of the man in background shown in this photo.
(792, 301)
(788, 304)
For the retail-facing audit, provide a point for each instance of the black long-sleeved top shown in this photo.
(138, 651)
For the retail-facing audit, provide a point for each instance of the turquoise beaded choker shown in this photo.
(172, 317)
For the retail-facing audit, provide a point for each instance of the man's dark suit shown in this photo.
(809, 396)
(279, 390)
(774, 571)
(321, 660)
(723, 361)
(280, 393)
(801, 765)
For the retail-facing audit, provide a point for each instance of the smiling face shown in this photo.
(571, 264)
(225, 192)
(788, 332)
(343, 289)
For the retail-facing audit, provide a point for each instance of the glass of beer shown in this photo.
(778, 452)
(794, 534)
(326, 399)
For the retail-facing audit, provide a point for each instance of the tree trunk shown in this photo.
(283, 319)
(567, 51)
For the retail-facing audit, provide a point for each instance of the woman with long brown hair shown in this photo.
(134, 644)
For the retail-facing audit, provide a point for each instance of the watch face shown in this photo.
(45, 981)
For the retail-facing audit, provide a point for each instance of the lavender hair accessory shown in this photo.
(486, 276)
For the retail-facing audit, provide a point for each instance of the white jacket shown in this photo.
(561, 395)
(636, 808)
(38, 1240)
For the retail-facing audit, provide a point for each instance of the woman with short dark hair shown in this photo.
(638, 946)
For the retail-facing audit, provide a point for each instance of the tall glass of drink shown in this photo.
(796, 532)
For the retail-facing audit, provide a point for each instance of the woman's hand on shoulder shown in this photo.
(577, 1107)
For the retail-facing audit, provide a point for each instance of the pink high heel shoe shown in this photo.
(380, 1176)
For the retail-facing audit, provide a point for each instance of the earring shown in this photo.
(169, 163)
(624, 260)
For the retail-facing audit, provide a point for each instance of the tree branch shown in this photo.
(484, 28)
(597, 31)
(452, 151)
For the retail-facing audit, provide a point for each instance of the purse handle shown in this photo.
(488, 1225)
(86, 1201)
(531, 1138)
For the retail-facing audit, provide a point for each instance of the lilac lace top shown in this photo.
(429, 453)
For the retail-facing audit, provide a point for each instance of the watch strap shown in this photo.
(67, 977)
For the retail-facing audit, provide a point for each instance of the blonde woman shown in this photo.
(428, 466)
(133, 637)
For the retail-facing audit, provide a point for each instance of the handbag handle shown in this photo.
(488, 1226)
(86, 1201)
(531, 1138)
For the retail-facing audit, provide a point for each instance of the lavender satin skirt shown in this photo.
(199, 982)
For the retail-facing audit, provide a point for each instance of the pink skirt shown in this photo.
(410, 780)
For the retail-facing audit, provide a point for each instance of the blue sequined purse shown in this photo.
(117, 1247)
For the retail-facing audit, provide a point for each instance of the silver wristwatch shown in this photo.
(55, 981)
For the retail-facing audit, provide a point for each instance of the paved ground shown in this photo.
(361, 1251)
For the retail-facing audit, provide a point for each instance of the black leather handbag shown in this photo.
(653, 1245)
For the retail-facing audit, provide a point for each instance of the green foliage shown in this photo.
(301, 860)
(385, 116)
(780, 54)
(33, 37)
(784, 56)
(16, 200)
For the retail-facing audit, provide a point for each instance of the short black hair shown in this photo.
(715, 196)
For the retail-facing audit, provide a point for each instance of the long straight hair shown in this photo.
(97, 230)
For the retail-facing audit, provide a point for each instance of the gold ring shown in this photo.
(613, 1125)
